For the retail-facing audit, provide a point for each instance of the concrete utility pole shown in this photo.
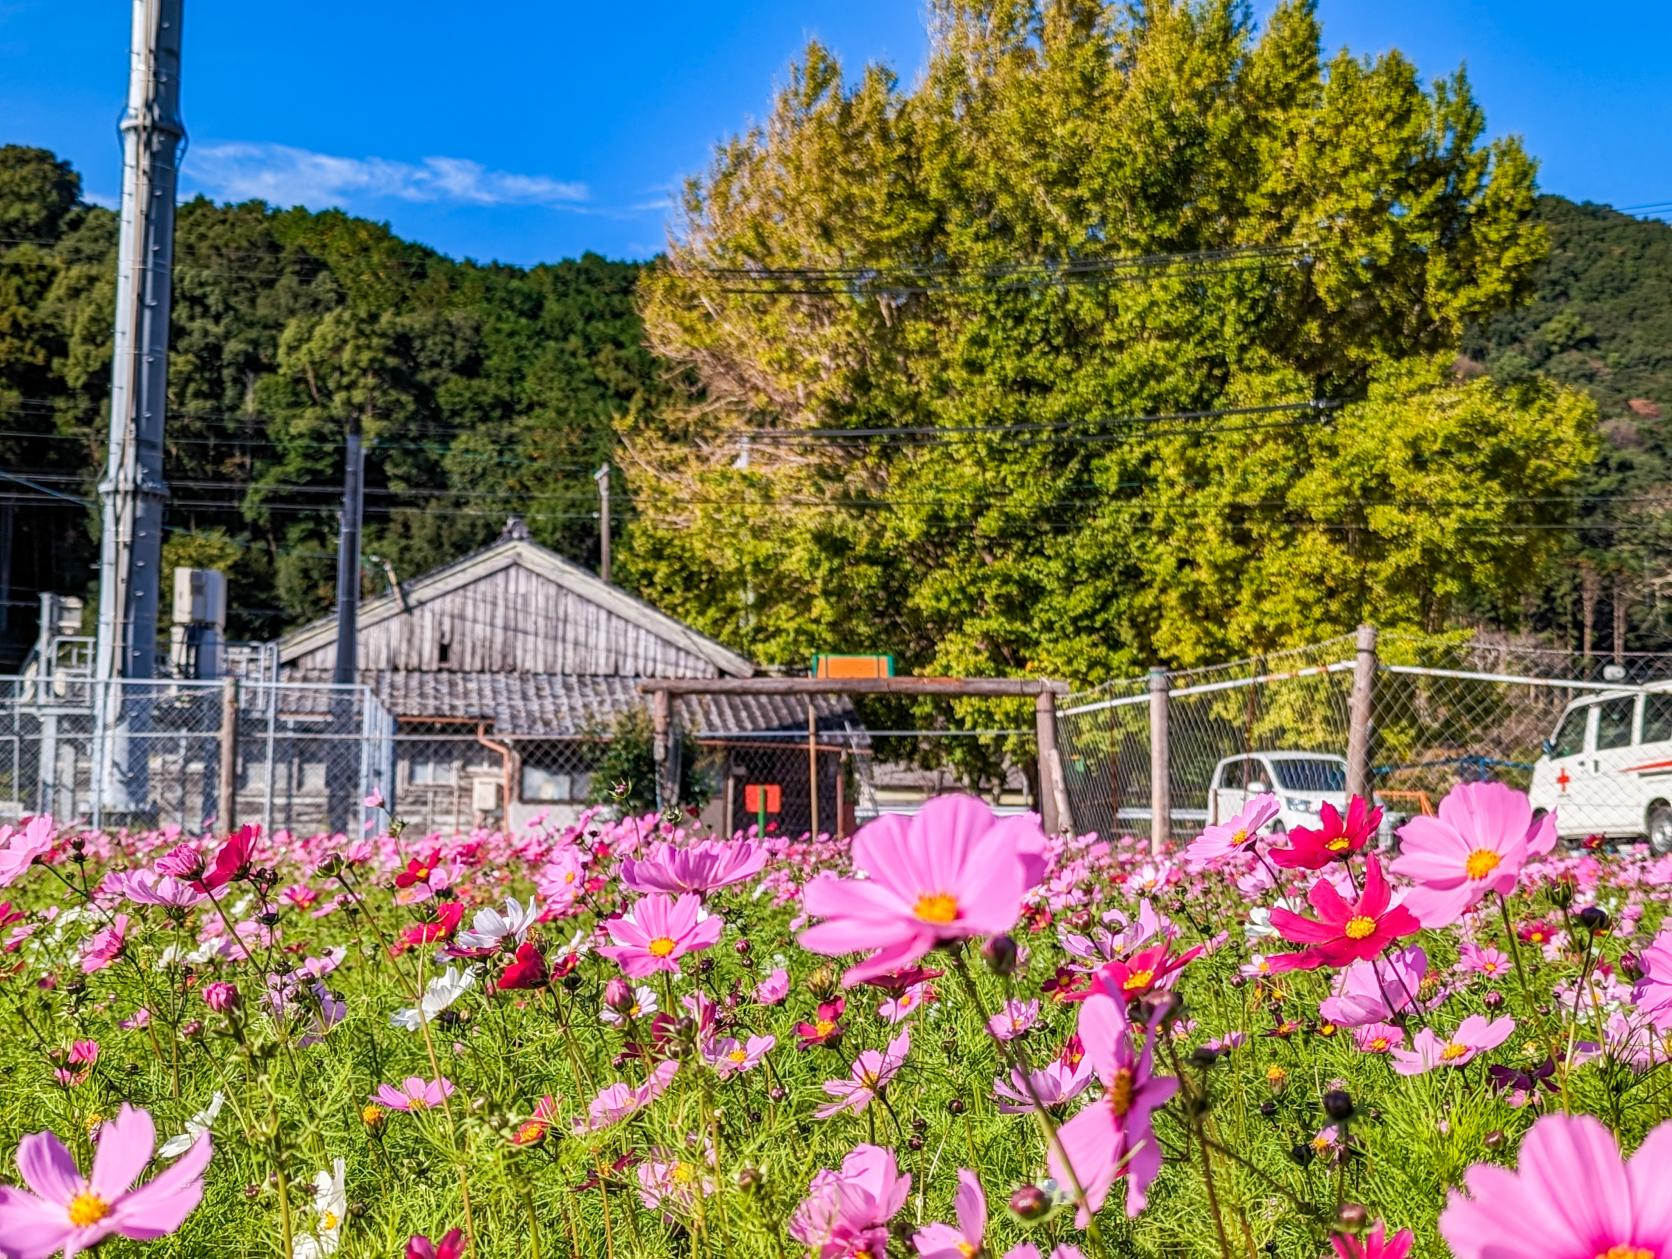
(133, 489)
(348, 556)
(602, 476)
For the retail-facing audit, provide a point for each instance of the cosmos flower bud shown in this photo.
(1030, 1202)
(618, 996)
(1352, 1216)
(1000, 952)
(1594, 918)
(220, 996)
(1338, 1105)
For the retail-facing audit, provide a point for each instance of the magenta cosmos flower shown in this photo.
(1374, 1244)
(942, 1241)
(1343, 933)
(414, 1093)
(1572, 1198)
(1239, 835)
(1336, 840)
(71, 1213)
(1111, 1137)
(953, 871)
(1474, 1036)
(659, 930)
(1482, 837)
(701, 868)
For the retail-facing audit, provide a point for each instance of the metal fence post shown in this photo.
(228, 781)
(1361, 708)
(813, 765)
(661, 721)
(1161, 793)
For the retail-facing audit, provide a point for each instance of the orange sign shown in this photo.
(762, 797)
(853, 666)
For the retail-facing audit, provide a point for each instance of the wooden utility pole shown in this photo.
(1361, 712)
(602, 476)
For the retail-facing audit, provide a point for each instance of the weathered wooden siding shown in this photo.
(515, 621)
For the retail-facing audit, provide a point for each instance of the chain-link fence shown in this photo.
(1590, 739)
(191, 754)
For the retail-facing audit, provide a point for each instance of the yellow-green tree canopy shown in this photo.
(1123, 335)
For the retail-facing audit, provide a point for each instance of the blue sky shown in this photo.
(527, 130)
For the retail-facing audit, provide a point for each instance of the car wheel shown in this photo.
(1659, 827)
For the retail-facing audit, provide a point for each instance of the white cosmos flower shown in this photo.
(490, 928)
(441, 992)
(330, 1202)
(196, 1126)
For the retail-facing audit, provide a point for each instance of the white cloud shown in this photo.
(286, 176)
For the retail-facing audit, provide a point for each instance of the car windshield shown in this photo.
(1311, 775)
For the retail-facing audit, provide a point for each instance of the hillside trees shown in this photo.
(1123, 336)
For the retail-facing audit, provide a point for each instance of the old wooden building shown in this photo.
(506, 670)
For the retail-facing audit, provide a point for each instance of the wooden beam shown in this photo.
(989, 687)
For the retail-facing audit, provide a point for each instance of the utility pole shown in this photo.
(348, 555)
(133, 490)
(602, 476)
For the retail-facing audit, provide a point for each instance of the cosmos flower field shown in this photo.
(952, 1036)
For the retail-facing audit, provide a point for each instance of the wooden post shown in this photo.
(661, 727)
(841, 794)
(1161, 789)
(228, 783)
(1054, 812)
(813, 764)
(1361, 712)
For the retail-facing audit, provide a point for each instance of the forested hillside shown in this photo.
(483, 390)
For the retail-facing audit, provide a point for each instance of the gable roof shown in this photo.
(515, 549)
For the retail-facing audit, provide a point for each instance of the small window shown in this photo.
(432, 772)
(1570, 735)
(1657, 717)
(1614, 721)
(546, 786)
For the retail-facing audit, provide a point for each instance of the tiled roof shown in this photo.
(551, 705)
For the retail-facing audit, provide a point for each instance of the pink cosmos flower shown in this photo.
(105, 946)
(144, 888)
(774, 988)
(1374, 991)
(619, 1101)
(561, 880)
(1483, 960)
(1240, 835)
(1378, 1038)
(1482, 837)
(1653, 989)
(414, 1093)
(702, 868)
(1343, 933)
(1146, 971)
(1014, 1019)
(62, 1210)
(658, 931)
(19, 846)
(952, 871)
(1111, 1137)
(1056, 1083)
(871, 1074)
(183, 861)
(1474, 1035)
(728, 1056)
(942, 1241)
(846, 1212)
(897, 1009)
(1573, 1198)
(1337, 839)
(1374, 1244)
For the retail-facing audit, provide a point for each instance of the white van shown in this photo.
(1302, 781)
(1607, 770)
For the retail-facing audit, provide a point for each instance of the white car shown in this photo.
(1607, 770)
(1302, 782)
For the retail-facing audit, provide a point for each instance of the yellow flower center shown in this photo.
(1453, 1051)
(1138, 979)
(939, 909)
(418, 1103)
(683, 1173)
(422, 872)
(1240, 837)
(1120, 1092)
(1320, 1143)
(1263, 966)
(661, 946)
(868, 1079)
(87, 1209)
(635, 1011)
(738, 1055)
(1625, 1250)
(1481, 862)
(1358, 927)
(1276, 1075)
(1339, 844)
(823, 1026)
(569, 876)
(371, 1115)
(1379, 1045)
(966, 1250)
(530, 1132)
(328, 1220)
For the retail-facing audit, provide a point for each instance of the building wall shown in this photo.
(515, 621)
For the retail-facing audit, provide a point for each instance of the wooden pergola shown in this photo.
(1053, 788)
